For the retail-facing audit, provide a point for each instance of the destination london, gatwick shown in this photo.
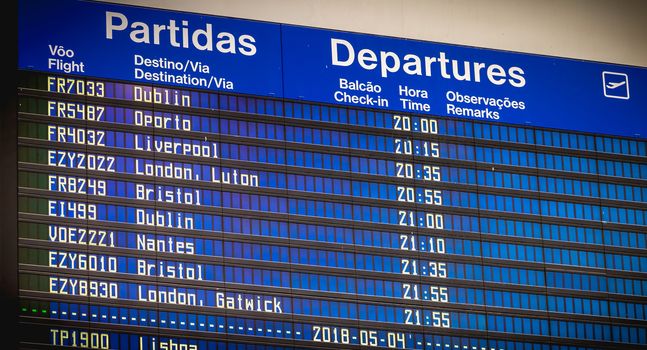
(344, 54)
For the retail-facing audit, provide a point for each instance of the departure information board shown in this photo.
(200, 182)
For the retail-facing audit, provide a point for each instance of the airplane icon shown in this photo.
(611, 85)
(615, 85)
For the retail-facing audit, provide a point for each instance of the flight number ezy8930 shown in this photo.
(83, 287)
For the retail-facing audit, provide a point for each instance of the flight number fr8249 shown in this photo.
(74, 184)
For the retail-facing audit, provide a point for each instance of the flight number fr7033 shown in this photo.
(76, 86)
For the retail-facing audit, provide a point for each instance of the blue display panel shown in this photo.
(462, 82)
(159, 214)
(240, 56)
